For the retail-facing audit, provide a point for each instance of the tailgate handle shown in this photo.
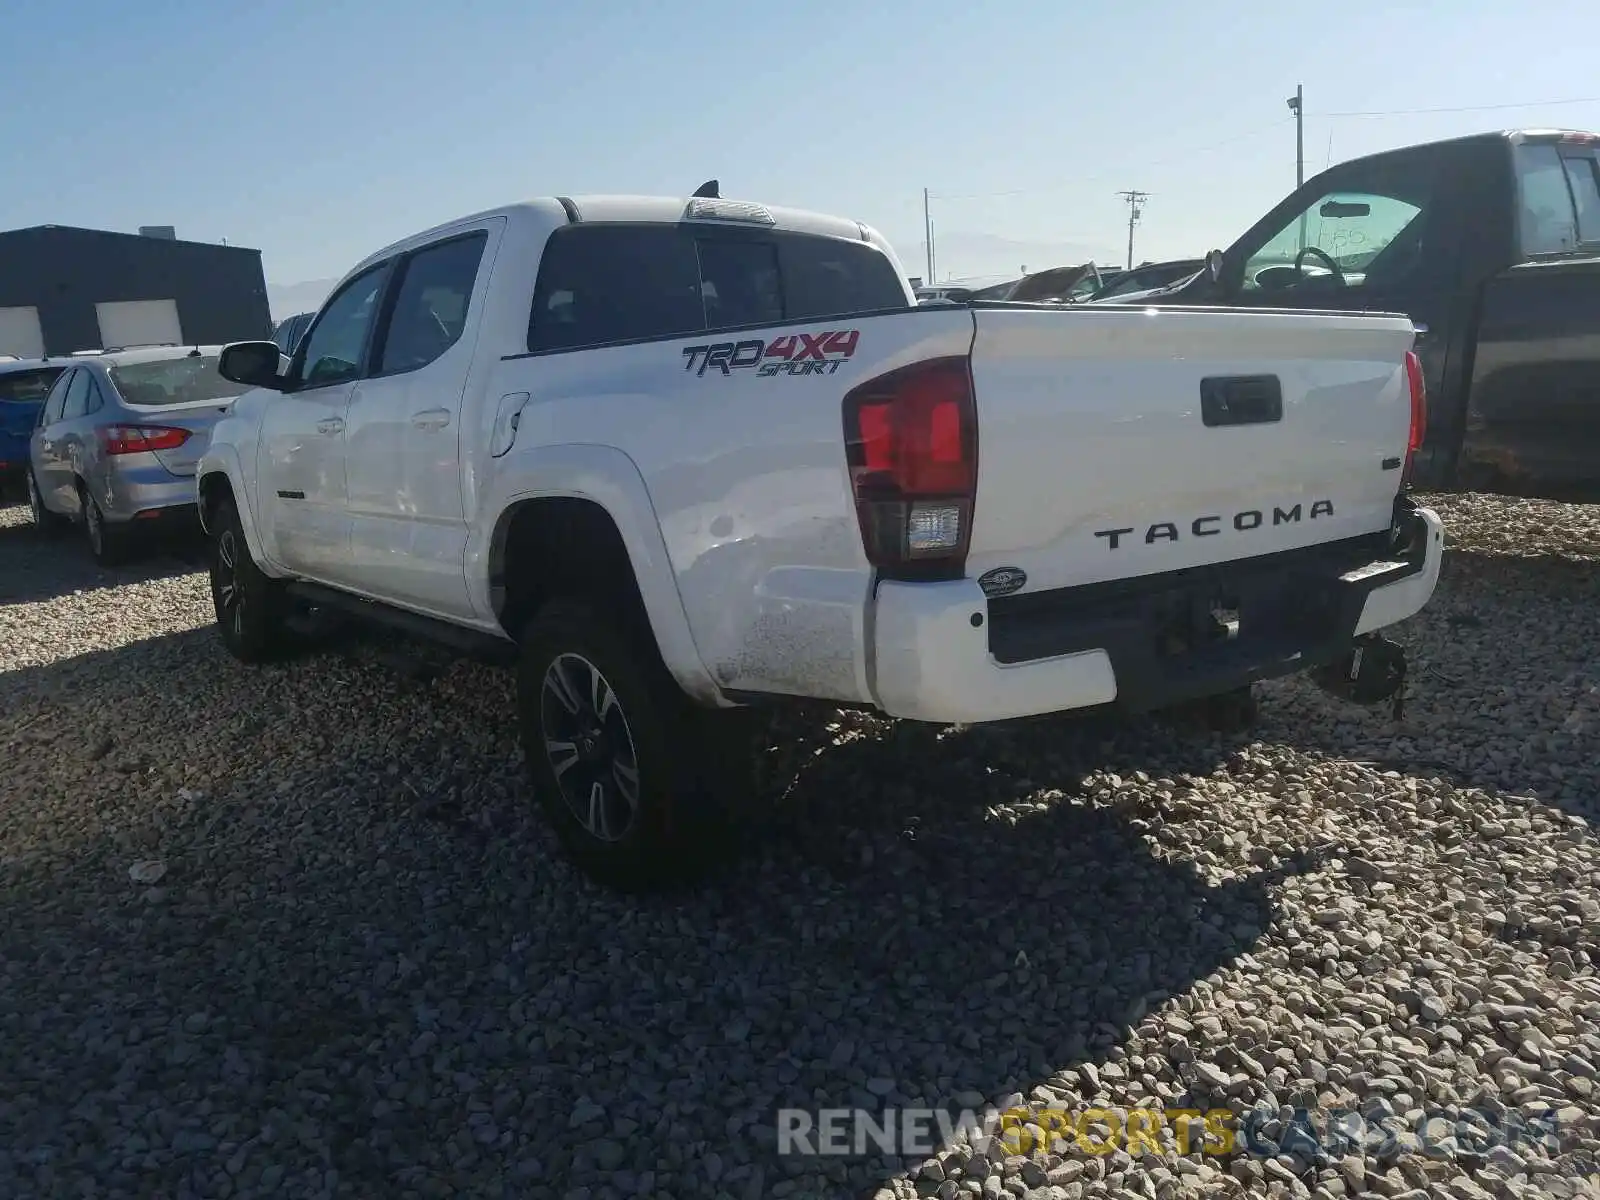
(1241, 400)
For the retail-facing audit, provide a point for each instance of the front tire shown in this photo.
(251, 608)
(627, 768)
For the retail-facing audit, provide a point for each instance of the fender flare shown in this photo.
(609, 478)
(224, 460)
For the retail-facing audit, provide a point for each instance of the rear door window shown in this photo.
(603, 284)
(77, 400)
(1548, 218)
(1583, 177)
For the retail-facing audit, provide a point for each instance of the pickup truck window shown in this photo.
(601, 284)
(335, 344)
(1548, 220)
(1581, 175)
(739, 282)
(826, 277)
(1369, 230)
(430, 307)
(614, 283)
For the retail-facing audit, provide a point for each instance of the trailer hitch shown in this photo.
(1374, 670)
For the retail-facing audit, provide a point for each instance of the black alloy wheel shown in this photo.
(589, 745)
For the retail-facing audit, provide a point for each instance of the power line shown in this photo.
(1033, 191)
(1257, 131)
(1464, 108)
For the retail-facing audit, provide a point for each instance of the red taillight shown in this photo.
(1419, 410)
(136, 439)
(911, 440)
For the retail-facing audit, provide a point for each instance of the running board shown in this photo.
(471, 643)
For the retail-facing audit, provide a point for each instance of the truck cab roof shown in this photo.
(648, 210)
(1511, 136)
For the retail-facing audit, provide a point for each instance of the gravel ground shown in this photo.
(295, 933)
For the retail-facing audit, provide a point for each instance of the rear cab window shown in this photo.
(603, 284)
(1558, 186)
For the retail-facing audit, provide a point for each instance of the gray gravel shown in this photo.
(295, 932)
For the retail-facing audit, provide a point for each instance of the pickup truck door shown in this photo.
(408, 530)
(302, 450)
(1378, 235)
(1533, 404)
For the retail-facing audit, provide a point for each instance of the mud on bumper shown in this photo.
(946, 653)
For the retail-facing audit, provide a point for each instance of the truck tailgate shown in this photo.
(1120, 442)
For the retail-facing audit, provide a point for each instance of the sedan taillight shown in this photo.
(136, 439)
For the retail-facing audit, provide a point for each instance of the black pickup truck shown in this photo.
(1491, 244)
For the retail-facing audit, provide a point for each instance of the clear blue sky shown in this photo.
(318, 130)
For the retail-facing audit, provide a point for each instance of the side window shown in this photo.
(600, 284)
(430, 308)
(337, 342)
(97, 399)
(280, 335)
(55, 400)
(1548, 223)
(739, 282)
(1583, 174)
(77, 399)
(1369, 231)
(27, 387)
(828, 277)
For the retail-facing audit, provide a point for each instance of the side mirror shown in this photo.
(254, 364)
(1214, 265)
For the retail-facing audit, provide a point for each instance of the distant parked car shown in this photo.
(116, 441)
(1147, 276)
(289, 331)
(23, 384)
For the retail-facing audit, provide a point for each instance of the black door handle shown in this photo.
(1241, 400)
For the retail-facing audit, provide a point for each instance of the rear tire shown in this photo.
(251, 608)
(108, 543)
(51, 524)
(639, 782)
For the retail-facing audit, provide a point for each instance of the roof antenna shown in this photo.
(708, 190)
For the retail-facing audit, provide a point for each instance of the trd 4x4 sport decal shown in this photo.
(788, 354)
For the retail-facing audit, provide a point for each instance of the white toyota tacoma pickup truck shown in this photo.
(678, 457)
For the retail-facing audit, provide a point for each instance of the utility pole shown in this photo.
(927, 233)
(1298, 107)
(1134, 199)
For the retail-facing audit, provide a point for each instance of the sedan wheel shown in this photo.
(43, 519)
(105, 541)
